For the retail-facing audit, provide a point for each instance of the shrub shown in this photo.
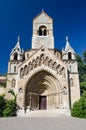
(2, 105)
(79, 107)
(10, 108)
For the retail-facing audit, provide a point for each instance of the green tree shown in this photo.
(84, 56)
(2, 104)
(79, 107)
(83, 87)
(82, 73)
(10, 108)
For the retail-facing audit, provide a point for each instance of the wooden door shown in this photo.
(42, 102)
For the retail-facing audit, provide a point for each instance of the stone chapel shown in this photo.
(43, 77)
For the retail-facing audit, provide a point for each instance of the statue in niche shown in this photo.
(20, 90)
(64, 104)
(50, 63)
(25, 70)
(54, 65)
(37, 61)
(58, 68)
(42, 59)
(13, 83)
(65, 91)
(46, 61)
(30, 66)
(33, 64)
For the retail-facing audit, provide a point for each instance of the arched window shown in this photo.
(69, 55)
(14, 68)
(15, 56)
(13, 83)
(42, 31)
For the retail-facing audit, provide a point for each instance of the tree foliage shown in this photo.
(82, 71)
(3, 85)
(84, 56)
(2, 105)
(83, 87)
(79, 107)
(8, 108)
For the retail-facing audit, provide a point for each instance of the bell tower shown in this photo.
(42, 31)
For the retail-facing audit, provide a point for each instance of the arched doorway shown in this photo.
(42, 91)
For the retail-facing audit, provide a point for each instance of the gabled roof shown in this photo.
(49, 54)
(42, 13)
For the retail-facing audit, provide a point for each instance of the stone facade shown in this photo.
(43, 77)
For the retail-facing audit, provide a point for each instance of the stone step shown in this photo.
(44, 113)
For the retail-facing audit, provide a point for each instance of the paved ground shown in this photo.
(42, 123)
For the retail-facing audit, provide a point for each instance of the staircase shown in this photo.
(44, 113)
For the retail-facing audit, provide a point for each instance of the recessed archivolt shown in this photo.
(41, 81)
(37, 82)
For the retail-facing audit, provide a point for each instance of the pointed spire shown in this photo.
(67, 44)
(18, 39)
(17, 47)
(18, 43)
(66, 38)
(42, 10)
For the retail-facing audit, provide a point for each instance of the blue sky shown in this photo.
(16, 19)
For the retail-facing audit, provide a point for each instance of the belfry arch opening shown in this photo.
(42, 92)
(69, 55)
(15, 56)
(42, 31)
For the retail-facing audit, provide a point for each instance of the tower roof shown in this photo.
(17, 46)
(68, 46)
(43, 14)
